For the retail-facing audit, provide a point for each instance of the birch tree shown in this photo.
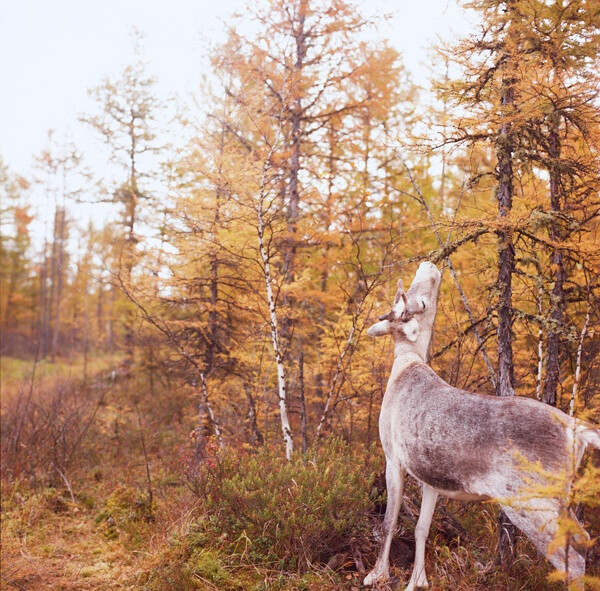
(274, 322)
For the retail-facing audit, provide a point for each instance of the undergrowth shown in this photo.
(288, 514)
(237, 519)
(257, 512)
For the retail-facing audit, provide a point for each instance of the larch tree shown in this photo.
(126, 121)
(16, 293)
(303, 61)
(521, 94)
(62, 177)
(563, 43)
(208, 270)
(308, 75)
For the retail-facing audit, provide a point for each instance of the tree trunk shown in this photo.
(205, 402)
(296, 134)
(47, 349)
(332, 141)
(213, 317)
(44, 313)
(7, 318)
(274, 324)
(557, 298)
(506, 267)
(257, 437)
(131, 193)
(86, 330)
(58, 269)
(109, 339)
(302, 403)
(127, 269)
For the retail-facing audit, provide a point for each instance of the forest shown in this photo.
(189, 396)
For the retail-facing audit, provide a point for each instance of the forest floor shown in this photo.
(49, 538)
(122, 515)
(63, 551)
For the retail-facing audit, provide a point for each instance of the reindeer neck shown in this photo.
(405, 354)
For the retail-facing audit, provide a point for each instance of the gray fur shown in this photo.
(468, 446)
(434, 419)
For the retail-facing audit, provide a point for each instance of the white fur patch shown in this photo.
(399, 307)
(411, 329)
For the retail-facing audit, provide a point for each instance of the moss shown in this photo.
(99, 568)
(125, 510)
(207, 565)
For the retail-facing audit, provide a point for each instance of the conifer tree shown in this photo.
(304, 101)
(522, 92)
(16, 288)
(62, 178)
(126, 122)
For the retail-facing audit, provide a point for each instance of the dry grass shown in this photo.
(101, 534)
(51, 546)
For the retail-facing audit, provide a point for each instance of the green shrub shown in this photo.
(125, 510)
(289, 514)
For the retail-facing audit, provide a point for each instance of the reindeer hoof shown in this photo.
(416, 586)
(374, 577)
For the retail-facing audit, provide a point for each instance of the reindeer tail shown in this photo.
(588, 434)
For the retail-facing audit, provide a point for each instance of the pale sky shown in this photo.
(52, 51)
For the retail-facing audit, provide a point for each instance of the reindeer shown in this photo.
(469, 446)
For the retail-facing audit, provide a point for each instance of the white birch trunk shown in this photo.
(281, 387)
(578, 366)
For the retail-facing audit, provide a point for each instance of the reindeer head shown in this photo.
(413, 313)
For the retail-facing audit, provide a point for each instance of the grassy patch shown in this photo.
(239, 520)
(13, 369)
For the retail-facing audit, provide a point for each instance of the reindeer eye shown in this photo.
(424, 305)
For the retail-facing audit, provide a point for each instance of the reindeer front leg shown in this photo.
(394, 479)
(418, 580)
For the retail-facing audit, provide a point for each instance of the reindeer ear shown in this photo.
(379, 329)
(411, 329)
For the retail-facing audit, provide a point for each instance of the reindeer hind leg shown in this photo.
(539, 520)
